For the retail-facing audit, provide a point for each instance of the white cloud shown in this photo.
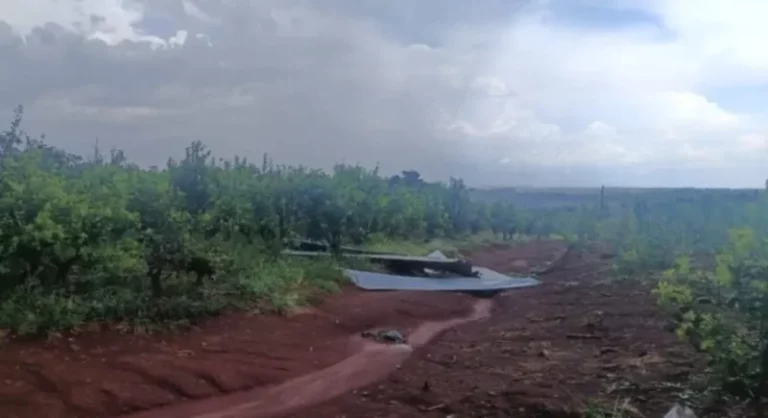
(491, 86)
(527, 92)
(109, 21)
(726, 35)
(645, 90)
(755, 142)
(179, 39)
(191, 9)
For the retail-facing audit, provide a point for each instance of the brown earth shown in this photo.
(102, 374)
(544, 352)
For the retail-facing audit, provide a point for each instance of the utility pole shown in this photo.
(602, 199)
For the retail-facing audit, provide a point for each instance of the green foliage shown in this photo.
(705, 250)
(616, 411)
(723, 311)
(99, 239)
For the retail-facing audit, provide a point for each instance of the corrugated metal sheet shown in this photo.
(489, 280)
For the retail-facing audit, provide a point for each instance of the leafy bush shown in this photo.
(723, 312)
(100, 239)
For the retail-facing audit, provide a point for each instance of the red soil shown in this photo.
(543, 352)
(102, 374)
(370, 364)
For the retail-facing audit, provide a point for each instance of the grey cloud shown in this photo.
(306, 85)
(309, 82)
(97, 20)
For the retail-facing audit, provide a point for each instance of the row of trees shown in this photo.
(65, 219)
(101, 238)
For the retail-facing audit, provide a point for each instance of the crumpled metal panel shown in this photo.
(489, 280)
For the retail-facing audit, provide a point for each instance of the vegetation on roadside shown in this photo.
(722, 310)
(615, 411)
(96, 238)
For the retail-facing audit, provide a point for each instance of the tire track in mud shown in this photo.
(53, 388)
(372, 362)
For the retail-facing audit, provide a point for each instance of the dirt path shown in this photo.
(371, 363)
(543, 352)
(102, 374)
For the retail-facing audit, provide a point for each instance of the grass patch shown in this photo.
(620, 409)
(281, 285)
(410, 247)
(263, 284)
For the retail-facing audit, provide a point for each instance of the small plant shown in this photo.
(618, 410)
(723, 312)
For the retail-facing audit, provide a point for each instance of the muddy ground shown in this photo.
(102, 374)
(544, 352)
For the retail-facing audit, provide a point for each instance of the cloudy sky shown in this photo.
(500, 92)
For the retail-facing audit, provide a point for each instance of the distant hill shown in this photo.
(531, 197)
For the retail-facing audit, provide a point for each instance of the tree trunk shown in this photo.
(63, 269)
(335, 243)
(762, 385)
(155, 277)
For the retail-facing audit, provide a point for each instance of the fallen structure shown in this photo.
(488, 280)
(435, 272)
(403, 264)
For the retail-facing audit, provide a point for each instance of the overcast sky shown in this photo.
(499, 92)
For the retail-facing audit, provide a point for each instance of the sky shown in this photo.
(498, 92)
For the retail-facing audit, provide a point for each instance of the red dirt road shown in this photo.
(103, 374)
(544, 352)
(370, 364)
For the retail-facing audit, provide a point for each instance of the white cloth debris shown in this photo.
(679, 411)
